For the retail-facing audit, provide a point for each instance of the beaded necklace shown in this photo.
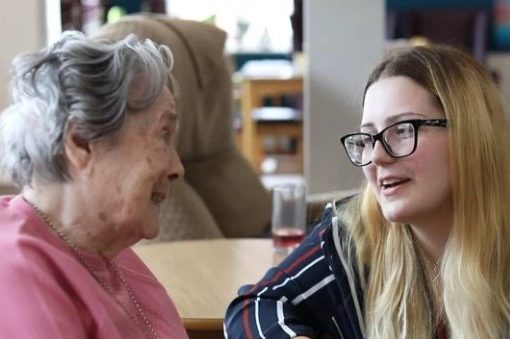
(145, 324)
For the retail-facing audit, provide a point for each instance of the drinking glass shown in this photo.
(289, 217)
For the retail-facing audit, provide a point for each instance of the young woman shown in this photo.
(423, 251)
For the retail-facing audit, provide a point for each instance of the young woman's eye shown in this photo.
(404, 131)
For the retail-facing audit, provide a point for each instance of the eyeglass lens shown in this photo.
(398, 140)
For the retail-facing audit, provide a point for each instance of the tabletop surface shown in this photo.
(203, 276)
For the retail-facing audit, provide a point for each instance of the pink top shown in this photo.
(46, 292)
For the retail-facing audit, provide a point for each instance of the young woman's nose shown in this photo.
(380, 155)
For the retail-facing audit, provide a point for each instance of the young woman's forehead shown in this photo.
(394, 98)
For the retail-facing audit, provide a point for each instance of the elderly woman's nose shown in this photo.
(175, 168)
(380, 155)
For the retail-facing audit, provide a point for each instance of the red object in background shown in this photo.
(287, 237)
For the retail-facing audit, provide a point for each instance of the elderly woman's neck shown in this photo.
(61, 209)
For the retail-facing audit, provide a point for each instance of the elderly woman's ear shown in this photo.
(77, 149)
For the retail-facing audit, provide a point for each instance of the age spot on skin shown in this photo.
(102, 216)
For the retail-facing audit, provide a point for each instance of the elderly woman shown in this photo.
(89, 138)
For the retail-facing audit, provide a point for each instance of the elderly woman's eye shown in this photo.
(166, 134)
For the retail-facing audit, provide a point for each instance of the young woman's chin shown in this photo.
(397, 212)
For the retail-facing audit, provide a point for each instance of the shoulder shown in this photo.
(23, 236)
(331, 228)
(332, 236)
(138, 274)
(341, 258)
(337, 243)
(34, 272)
(36, 259)
(133, 266)
(324, 253)
(150, 291)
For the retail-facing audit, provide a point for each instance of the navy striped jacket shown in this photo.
(314, 292)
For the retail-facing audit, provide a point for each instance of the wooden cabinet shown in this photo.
(254, 130)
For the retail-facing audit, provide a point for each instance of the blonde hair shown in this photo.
(475, 269)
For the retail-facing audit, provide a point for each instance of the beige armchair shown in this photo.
(220, 195)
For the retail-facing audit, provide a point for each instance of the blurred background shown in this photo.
(327, 46)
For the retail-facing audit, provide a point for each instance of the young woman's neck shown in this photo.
(431, 237)
(432, 241)
(432, 233)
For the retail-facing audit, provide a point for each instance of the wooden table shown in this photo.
(203, 276)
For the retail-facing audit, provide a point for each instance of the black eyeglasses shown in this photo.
(399, 140)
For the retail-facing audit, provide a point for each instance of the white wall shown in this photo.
(21, 30)
(500, 63)
(345, 39)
